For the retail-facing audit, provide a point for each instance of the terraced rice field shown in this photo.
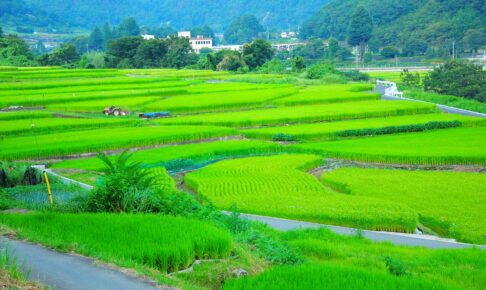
(450, 203)
(187, 154)
(279, 186)
(326, 130)
(302, 114)
(76, 142)
(449, 146)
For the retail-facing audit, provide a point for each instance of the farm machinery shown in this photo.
(115, 111)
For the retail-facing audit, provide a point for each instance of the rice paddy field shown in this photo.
(269, 145)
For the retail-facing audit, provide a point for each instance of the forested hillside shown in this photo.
(178, 13)
(414, 24)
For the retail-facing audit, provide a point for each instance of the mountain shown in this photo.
(16, 13)
(178, 13)
(399, 22)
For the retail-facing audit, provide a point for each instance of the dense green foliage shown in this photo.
(458, 78)
(360, 30)
(15, 52)
(215, 13)
(451, 203)
(162, 242)
(414, 26)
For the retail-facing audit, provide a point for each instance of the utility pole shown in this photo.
(453, 49)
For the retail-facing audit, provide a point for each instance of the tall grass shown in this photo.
(321, 277)
(165, 243)
(277, 186)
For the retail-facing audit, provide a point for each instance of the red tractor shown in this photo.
(115, 111)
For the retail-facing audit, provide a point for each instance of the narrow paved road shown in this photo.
(430, 242)
(69, 272)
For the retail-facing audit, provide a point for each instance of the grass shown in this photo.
(310, 113)
(452, 101)
(11, 275)
(187, 154)
(331, 94)
(450, 203)
(326, 130)
(438, 147)
(456, 268)
(278, 186)
(76, 142)
(321, 277)
(161, 242)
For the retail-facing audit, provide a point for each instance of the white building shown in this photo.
(148, 36)
(184, 34)
(234, 47)
(197, 43)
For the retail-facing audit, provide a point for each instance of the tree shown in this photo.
(475, 39)
(66, 54)
(128, 27)
(231, 62)
(360, 30)
(150, 54)
(179, 53)
(15, 52)
(123, 50)
(389, 52)
(39, 48)
(107, 35)
(96, 39)
(81, 43)
(298, 63)
(1, 32)
(313, 50)
(410, 79)
(414, 46)
(243, 29)
(257, 53)
(458, 78)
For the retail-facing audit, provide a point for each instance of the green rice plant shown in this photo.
(51, 125)
(452, 101)
(219, 101)
(24, 114)
(175, 157)
(277, 186)
(301, 114)
(331, 94)
(371, 126)
(59, 73)
(457, 268)
(133, 104)
(450, 203)
(436, 147)
(168, 88)
(68, 143)
(162, 242)
(322, 277)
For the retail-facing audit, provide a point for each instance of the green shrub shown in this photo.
(283, 137)
(395, 267)
(324, 71)
(399, 129)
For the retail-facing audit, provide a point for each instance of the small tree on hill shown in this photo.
(360, 30)
(96, 39)
(257, 53)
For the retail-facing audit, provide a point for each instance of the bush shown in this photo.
(283, 137)
(410, 79)
(356, 76)
(395, 267)
(399, 129)
(319, 70)
(458, 78)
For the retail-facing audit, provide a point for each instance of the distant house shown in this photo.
(148, 36)
(234, 47)
(197, 43)
(290, 34)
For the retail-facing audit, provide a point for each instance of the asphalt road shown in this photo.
(426, 241)
(69, 272)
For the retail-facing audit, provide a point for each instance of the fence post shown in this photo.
(48, 187)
